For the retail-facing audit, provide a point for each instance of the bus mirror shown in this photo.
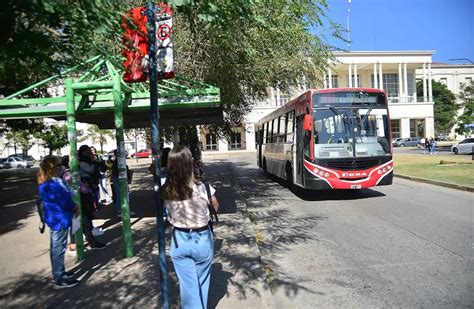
(307, 123)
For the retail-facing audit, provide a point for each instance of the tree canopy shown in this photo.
(467, 103)
(241, 46)
(445, 107)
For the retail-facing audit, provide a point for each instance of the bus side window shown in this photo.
(290, 116)
(274, 130)
(281, 129)
(307, 141)
(267, 132)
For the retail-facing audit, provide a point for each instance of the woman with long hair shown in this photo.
(192, 243)
(58, 208)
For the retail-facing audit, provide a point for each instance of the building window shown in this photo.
(444, 81)
(353, 81)
(410, 84)
(211, 142)
(395, 128)
(390, 84)
(334, 80)
(235, 140)
(417, 128)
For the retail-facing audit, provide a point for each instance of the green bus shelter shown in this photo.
(95, 93)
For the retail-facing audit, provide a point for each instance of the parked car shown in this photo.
(143, 153)
(465, 146)
(14, 162)
(111, 156)
(2, 162)
(23, 157)
(395, 140)
(407, 142)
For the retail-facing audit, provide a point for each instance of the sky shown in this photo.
(445, 26)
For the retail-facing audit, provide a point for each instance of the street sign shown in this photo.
(135, 43)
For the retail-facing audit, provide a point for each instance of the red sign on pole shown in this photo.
(135, 41)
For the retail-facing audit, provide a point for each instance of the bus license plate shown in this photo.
(356, 186)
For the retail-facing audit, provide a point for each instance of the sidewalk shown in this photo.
(109, 280)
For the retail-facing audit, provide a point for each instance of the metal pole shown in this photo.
(122, 168)
(73, 162)
(155, 146)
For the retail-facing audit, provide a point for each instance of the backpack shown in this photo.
(39, 208)
(212, 212)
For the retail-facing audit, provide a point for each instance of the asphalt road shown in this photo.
(407, 245)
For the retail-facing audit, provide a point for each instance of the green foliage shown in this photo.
(467, 102)
(54, 137)
(445, 107)
(241, 46)
(97, 135)
(21, 133)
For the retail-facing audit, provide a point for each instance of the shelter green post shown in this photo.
(73, 162)
(122, 167)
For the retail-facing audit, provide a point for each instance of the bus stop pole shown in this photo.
(73, 162)
(155, 136)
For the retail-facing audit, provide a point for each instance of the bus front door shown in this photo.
(299, 150)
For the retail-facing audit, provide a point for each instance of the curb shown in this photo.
(242, 206)
(436, 182)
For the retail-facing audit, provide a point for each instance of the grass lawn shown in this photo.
(461, 172)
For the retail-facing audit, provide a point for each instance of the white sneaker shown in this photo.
(97, 231)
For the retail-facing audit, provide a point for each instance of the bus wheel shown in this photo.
(265, 167)
(289, 177)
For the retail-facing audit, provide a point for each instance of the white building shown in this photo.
(394, 71)
(453, 76)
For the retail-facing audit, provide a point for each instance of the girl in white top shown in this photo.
(192, 244)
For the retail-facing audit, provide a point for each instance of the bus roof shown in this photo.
(288, 105)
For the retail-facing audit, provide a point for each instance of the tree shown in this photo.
(242, 46)
(445, 107)
(54, 136)
(98, 136)
(467, 104)
(21, 133)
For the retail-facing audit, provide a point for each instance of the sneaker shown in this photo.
(97, 231)
(68, 274)
(68, 283)
(98, 246)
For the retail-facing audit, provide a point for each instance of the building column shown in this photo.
(272, 96)
(430, 86)
(400, 83)
(375, 76)
(349, 81)
(405, 82)
(429, 127)
(330, 78)
(278, 99)
(356, 81)
(325, 83)
(222, 145)
(380, 77)
(405, 127)
(249, 136)
(424, 83)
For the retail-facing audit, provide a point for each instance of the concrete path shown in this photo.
(108, 279)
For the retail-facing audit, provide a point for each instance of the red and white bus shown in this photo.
(329, 139)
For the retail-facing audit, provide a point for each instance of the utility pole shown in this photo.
(155, 146)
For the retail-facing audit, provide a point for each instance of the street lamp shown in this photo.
(462, 59)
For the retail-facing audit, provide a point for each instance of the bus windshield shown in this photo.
(351, 131)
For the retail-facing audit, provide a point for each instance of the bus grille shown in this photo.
(352, 165)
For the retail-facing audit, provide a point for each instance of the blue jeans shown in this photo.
(57, 248)
(192, 261)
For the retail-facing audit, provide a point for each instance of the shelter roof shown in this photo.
(181, 100)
